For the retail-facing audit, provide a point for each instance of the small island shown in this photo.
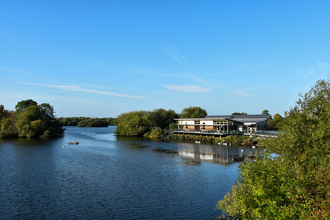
(29, 120)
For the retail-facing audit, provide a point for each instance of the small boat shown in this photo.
(73, 142)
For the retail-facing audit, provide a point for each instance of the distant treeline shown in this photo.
(29, 120)
(87, 121)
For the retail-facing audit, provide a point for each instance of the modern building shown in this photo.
(224, 123)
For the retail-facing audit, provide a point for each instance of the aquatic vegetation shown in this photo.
(137, 145)
(192, 163)
(167, 151)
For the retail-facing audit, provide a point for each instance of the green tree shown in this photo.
(296, 183)
(279, 125)
(193, 112)
(22, 105)
(173, 126)
(7, 123)
(29, 120)
(93, 122)
(135, 123)
(2, 109)
(265, 112)
(8, 128)
(237, 113)
(270, 123)
(277, 122)
(162, 118)
(23, 122)
(277, 117)
(46, 111)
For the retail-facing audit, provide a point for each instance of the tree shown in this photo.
(270, 123)
(162, 118)
(29, 120)
(193, 112)
(7, 123)
(296, 183)
(22, 105)
(277, 121)
(1, 111)
(237, 113)
(93, 122)
(277, 117)
(134, 123)
(265, 112)
(46, 111)
(23, 122)
(138, 123)
(279, 125)
(8, 128)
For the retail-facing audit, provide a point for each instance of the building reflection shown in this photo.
(214, 153)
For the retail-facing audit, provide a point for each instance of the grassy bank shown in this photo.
(233, 140)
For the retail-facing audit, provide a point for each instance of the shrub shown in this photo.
(295, 184)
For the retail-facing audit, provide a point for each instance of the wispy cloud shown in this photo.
(304, 73)
(189, 88)
(322, 65)
(245, 94)
(311, 71)
(15, 71)
(80, 89)
(193, 79)
(174, 53)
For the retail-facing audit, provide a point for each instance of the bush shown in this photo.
(210, 139)
(182, 138)
(295, 184)
(154, 133)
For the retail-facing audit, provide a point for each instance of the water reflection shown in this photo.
(109, 177)
(191, 153)
(214, 153)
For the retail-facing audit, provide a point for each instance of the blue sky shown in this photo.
(103, 58)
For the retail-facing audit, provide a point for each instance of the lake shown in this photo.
(110, 177)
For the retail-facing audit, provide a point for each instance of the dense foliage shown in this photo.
(275, 123)
(265, 112)
(87, 122)
(138, 123)
(93, 123)
(193, 112)
(237, 113)
(296, 183)
(29, 120)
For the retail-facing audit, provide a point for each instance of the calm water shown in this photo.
(105, 177)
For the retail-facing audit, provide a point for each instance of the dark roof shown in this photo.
(218, 116)
(241, 118)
